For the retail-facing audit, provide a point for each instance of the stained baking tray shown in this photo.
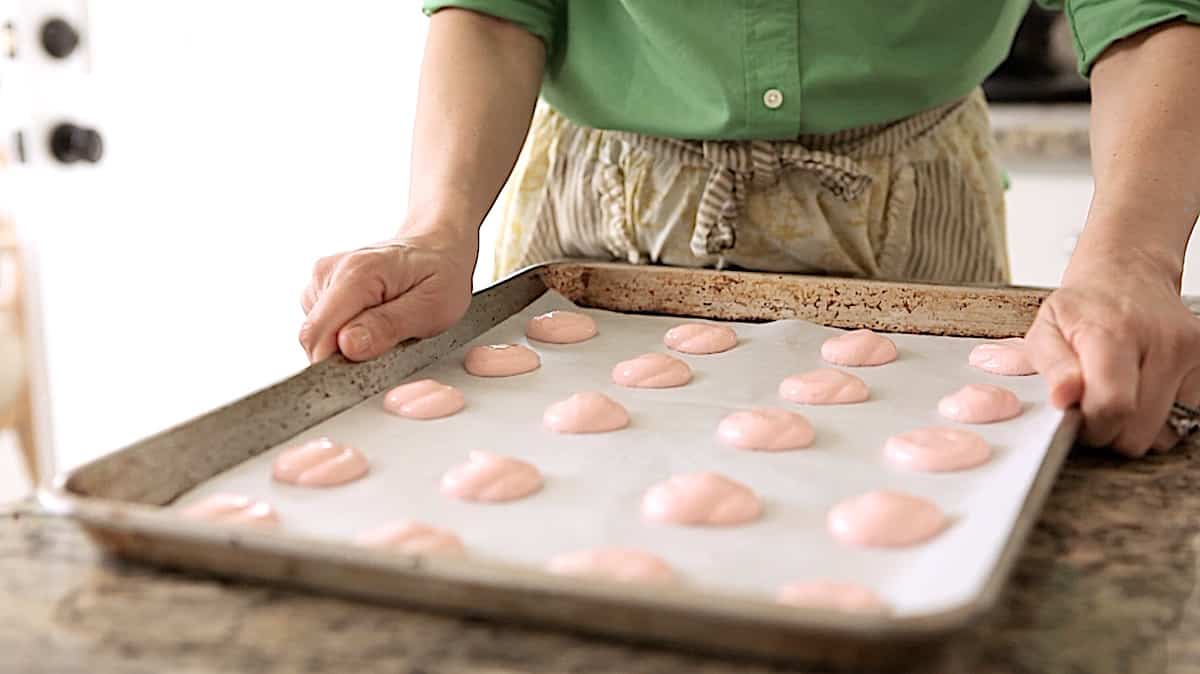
(117, 498)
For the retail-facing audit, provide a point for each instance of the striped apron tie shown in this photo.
(731, 164)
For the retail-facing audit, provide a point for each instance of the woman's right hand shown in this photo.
(366, 301)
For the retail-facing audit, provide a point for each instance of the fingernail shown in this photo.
(359, 338)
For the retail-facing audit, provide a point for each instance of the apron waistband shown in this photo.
(731, 164)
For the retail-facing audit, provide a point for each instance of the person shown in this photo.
(845, 138)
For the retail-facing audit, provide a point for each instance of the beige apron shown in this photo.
(920, 199)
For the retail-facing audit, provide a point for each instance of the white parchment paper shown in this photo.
(594, 482)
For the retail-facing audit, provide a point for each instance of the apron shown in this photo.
(921, 199)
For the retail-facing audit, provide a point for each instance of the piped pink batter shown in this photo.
(937, 449)
(619, 564)
(588, 412)
(501, 360)
(320, 463)
(232, 509)
(652, 370)
(491, 477)
(701, 499)
(886, 519)
(561, 327)
(860, 348)
(832, 595)
(980, 404)
(1006, 357)
(424, 399)
(700, 338)
(413, 538)
(826, 386)
(767, 429)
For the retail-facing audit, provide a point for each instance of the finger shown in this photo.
(1053, 358)
(1165, 441)
(376, 331)
(348, 295)
(1110, 375)
(322, 270)
(308, 299)
(1188, 394)
(1159, 382)
(316, 285)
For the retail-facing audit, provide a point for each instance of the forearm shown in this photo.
(1145, 149)
(479, 83)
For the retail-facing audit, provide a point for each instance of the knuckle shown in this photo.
(307, 335)
(1046, 313)
(356, 266)
(1058, 309)
(1100, 430)
(1116, 327)
(1165, 441)
(1042, 324)
(1131, 446)
(320, 272)
(1182, 338)
(1137, 438)
(1114, 406)
(1117, 407)
(1094, 437)
(322, 266)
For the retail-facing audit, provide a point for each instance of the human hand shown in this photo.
(366, 301)
(1117, 340)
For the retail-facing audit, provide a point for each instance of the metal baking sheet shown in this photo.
(594, 482)
(117, 497)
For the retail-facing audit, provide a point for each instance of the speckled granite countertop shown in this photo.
(1041, 132)
(1108, 583)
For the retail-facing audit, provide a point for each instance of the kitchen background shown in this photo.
(241, 141)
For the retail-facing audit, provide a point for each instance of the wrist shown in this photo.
(1141, 230)
(1098, 258)
(441, 232)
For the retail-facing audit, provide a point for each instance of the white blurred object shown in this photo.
(38, 430)
(242, 142)
(43, 63)
(12, 348)
(23, 411)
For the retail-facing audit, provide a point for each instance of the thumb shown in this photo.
(1055, 359)
(376, 331)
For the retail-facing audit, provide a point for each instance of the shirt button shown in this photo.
(773, 98)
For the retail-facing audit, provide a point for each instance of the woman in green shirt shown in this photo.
(795, 136)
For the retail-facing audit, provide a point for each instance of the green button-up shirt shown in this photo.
(746, 69)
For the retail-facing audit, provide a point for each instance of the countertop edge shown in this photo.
(1041, 132)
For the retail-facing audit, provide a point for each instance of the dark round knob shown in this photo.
(59, 38)
(70, 143)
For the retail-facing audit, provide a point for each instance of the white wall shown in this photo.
(244, 139)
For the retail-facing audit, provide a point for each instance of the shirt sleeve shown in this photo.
(1096, 24)
(540, 17)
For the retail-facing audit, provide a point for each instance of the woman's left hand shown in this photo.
(1117, 340)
